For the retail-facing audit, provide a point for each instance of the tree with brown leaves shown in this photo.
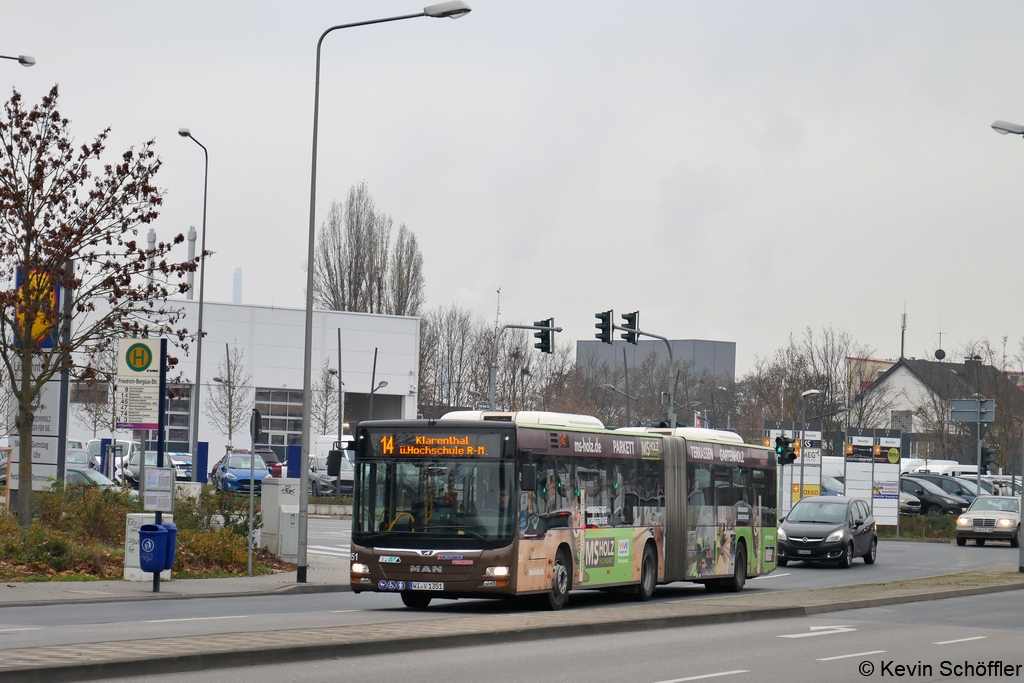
(68, 220)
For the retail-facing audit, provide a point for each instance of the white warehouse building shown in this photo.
(271, 342)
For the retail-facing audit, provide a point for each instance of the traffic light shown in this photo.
(784, 450)
(544, 336)
(630, 321)
(988, 460)
(604, 326)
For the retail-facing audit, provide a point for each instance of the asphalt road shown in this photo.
(124, 621)
(849, 646)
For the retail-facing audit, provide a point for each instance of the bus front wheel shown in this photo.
(415, 600)
(559, 592)
(648, 576)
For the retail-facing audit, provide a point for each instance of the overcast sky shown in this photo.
(736, 171)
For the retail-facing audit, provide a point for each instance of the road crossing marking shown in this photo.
(328, 551)
(705, 676)
(821, 631)
(959, 640)
(164, 621)
(770, 576)
(855, 654)
(27, 628)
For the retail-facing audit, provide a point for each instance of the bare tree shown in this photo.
(405, 279)
(325, 402)
(92, 398)
(355, 266)
(230, 399)
(59, 206)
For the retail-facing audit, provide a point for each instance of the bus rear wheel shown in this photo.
(559, 592)
(415, 600)
(739, 574)
(648, 576)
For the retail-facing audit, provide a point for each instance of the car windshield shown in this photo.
(817, 513)
(929, 487)
(968, 486)
(994, 505)
(78, 457)
(150, 459)
(98, 479)
(241, 462)
(831, 483)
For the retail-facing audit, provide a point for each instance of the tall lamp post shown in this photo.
(453, 9)
(1004, 128)
(193, 431)
(803, 433)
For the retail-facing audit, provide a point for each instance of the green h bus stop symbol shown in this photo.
(138, 357)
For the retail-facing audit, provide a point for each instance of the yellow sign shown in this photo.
(809, 490)
(138, 357)
(42, 296)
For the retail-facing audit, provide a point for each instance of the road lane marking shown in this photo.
(959, 640)
(771, 576)
(164, 621)
(821, 631)
(704, 676)
(855, 654)
(30, 628)
(342, 611)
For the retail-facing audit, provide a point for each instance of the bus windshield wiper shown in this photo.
(460, 527)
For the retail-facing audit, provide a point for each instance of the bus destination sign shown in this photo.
(451, 445)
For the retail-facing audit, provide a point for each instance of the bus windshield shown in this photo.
(425, 490)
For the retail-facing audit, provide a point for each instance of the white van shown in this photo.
(957, 470)
(927, 466)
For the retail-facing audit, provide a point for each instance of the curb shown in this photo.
(917, 540)
(290, 654)
(292, 589)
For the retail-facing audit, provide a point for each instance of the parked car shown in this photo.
(76, 476)
(233, 473)
(990, 518)
(830, 486)
(181, 462)
(124, 453)
(274, 462)
(934, 501)
(828, 529)
(951, 485)
(80, 458)
(909, 505)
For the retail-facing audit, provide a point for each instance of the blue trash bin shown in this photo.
(172, 542)
(152, 547)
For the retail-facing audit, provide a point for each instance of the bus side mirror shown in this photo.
(334, 463)
(528, 477)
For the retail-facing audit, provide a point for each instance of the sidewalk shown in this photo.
(85, 662)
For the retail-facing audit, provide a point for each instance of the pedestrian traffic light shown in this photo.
(631, 323)
(544, 336)
(784, 450)
(988, 460)
(604, 326)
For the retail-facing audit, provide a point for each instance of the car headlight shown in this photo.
(782, 535)
(1005, 522)
(949, 501)
(360, 568)
(228, 475)
(496, 571)
(963, 521)
(836, 535)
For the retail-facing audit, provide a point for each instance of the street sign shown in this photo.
(967, 409)
(137, 403)
(483, 405)
(158, 489)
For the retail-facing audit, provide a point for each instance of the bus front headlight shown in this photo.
(360, 568)
(496, 571)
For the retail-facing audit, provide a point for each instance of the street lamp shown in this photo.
(194, 427)
(380, 385)
(24, 60)
(1003, 128)
(341, 406)
(453, 9)
(803, 433)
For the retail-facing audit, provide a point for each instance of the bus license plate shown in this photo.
(426, 586)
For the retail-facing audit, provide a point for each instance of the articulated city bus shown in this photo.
(530, 503)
